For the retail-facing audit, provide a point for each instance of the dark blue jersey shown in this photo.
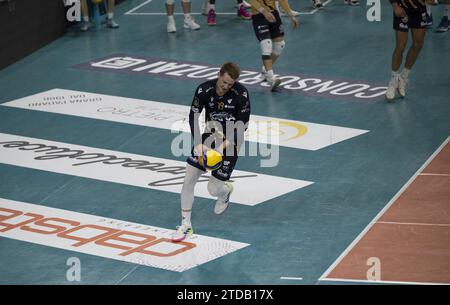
(232, 107)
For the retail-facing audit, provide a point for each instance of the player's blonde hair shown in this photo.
(232, 69)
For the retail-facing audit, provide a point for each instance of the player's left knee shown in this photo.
(278, 47)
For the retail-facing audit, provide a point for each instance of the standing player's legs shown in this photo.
(418, 37)
(269, 35)
(277, 36)
(189, 22)
(401, 38)
(85, 13)
(187, 201)
(211, 12)
(444, 25)
(170, 8)
(277, 47)
(219, 185)
(109, 20)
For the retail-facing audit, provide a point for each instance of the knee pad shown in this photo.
(266, 48)
(169, 2)
(278, 47)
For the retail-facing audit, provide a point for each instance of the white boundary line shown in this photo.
(137, 7)
(414, 223)
(361, 235)
(382, 282)
(291, 278)
(428, 174)
(131, 12)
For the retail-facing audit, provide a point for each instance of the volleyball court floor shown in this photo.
(354, 190)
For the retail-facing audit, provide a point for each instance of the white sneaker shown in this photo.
(402, 83)
(283, 13)
(391, 89)
(245, 3)
(222, 203)
(189, 23)
(263, 73)
(85, 27)
(182, 232)
(110, 23)
(171, 28)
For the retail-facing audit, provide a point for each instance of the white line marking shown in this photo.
(131, 12)
(327, 2)
(291, 278)
(126, 275)
(361, 235)
(414, 223)
(382, 282)
(137, 7)
(428, 174)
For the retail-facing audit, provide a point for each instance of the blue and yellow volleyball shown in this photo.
(212, 160)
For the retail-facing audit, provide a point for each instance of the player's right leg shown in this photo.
(187, 200)
(170, 8)
(401, 38)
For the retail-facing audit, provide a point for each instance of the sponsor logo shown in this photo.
(106, 237)
(261, 129)
(299, 83)
(131, 169)
(73, 10)
(374, 12)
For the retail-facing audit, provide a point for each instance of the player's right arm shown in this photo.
(194, 114)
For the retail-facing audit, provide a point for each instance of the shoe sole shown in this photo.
(275, 85)
(182, 238)
(186, 27)
(390, 100)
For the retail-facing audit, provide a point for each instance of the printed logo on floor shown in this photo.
(131, 169)
(262, 129)
(110, 238)
(299, 83)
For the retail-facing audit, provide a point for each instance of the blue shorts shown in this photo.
(416, 20)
